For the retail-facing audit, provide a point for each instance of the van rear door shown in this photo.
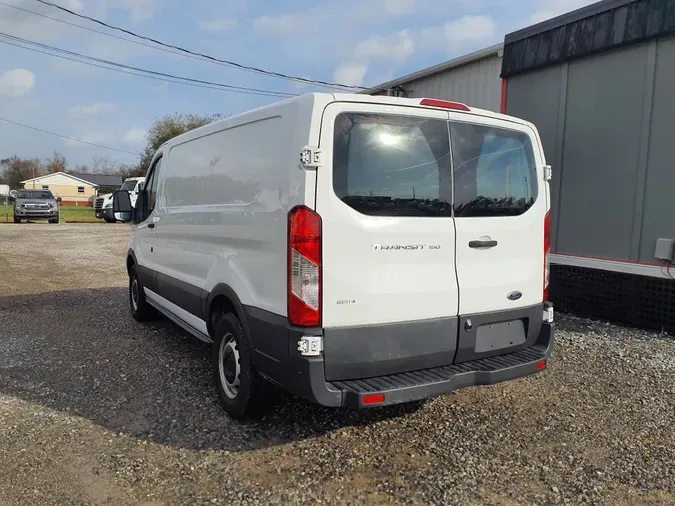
(384, 194)
(500, 204)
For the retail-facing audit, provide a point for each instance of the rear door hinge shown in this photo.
(311, 158)
(310, 346)
(548, 173)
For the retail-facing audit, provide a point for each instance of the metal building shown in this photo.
(472, 79)
(599, 84)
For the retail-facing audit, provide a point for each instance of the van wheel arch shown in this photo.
(131, 262)
(222, 300)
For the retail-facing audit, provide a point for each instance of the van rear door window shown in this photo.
(494, 169)
(389, 165)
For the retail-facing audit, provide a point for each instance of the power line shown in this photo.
(212, 58)
(101, 32)
(129, 69)
(66, 137)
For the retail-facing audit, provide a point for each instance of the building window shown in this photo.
(45, 187)
(80, 189)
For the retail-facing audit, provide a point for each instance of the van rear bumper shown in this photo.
(305, 376)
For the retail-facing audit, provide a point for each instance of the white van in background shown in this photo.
(356, 250)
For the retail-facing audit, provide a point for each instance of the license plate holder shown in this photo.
(498, 336)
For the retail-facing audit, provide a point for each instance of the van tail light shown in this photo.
(547, 253)
(304, 267)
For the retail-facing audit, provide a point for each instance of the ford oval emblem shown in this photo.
(514, 295)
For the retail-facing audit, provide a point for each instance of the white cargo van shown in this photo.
(356, 250)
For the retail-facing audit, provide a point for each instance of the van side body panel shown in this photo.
(225, 192)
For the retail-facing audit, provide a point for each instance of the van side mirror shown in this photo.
(122, 208)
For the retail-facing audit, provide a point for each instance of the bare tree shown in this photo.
(103, 165)
(16, 169)
(57, 163)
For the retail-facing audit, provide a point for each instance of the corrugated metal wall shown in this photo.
(476, 84)
(607, 124)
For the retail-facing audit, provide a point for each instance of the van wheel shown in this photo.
(239, 386)
(17, 220)
(140, 309)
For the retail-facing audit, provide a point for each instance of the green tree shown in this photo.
(165, 129)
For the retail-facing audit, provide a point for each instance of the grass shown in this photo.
(78, 214)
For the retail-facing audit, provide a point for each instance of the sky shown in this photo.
(356, 42)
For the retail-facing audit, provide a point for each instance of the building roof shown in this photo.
(457, 62)
(597, 27)
(101, 179)
(59, 178)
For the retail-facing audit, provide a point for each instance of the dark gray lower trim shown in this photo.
(184, 295)
(407, 387)
(147, 277)
(276, 358)
(377, 350)
(489, 334)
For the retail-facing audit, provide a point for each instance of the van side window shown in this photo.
(389, 165)
(152, 186)
(494, 169)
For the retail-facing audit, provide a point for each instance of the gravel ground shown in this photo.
(97, 409)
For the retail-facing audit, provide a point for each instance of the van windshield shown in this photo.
(389, 165)
(392, 165)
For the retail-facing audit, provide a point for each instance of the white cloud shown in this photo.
(296, 23)
(459, 32)
(93, 110)
(139, 10)
(340, 16)
(552, 8)
(351, 74)
(92, 137)
(135, 136)
(399, 7)
(73, 5)
(17, 82)
(217, 25)
(397, 47)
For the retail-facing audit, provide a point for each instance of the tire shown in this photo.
(140, 309)
(54, 221)
(110, 220)
(17, 220)
(241, 390)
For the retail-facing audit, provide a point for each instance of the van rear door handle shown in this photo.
(482, 244)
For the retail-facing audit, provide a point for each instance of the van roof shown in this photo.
(415, 102)
(336, 97)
